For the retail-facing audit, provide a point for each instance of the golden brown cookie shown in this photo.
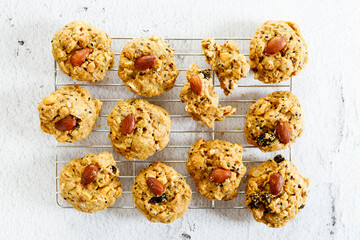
(83, 51)
(69, 113)
(230, 66)
(147, 66)
(90, 183)
(216, 168)
(160, 193)
(274, 122)
(276, 191)
(202, 102)
(277, 51)
(138, 129)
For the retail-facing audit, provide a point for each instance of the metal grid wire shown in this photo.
(200, 202)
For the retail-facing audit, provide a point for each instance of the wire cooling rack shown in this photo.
(184, 131)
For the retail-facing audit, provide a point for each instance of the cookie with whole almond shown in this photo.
(277, 51)
(147, 66)
(83, 51)
(275, 192)
(138, 129)
(69, 113)
(216, 167)
(90, 183)
(230, 66)
(202, 102)
(161, 193)
(274, 122)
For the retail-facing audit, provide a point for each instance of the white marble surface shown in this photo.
(328, 152)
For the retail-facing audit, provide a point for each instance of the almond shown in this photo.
(89, 174)
(276, 183)
(219, 175)
(79, 56)
(65, 124)
(128, 124)
(155, 186)
(283, 131)
(144, 62)
(196, 84)
(275, 45)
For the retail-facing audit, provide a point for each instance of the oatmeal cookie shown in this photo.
(83, 51)
(274, 122)
(227, 62)
(90, 192)
(276, 191)
(138, 129)
(216, 168)
(283, 63)
(172, 194)
(204, 106)
(147, 66)
(69, 113)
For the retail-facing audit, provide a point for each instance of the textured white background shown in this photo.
(328, 152)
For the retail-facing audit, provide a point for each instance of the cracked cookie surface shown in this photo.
(230, 66)
(206, 156)
(151, 131)
(266, 113)
(275, 210)
(171, 204)
(157, 79)
(284, 64)
(97, 195)
(80, 35)
(69, 102)
(204, 107)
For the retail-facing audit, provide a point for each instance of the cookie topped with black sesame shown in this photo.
(90, 183)
(161, 193)
(275, 192)
(69, 113)
(216, 167)
(202, 102)
(83, 52)
(230, 66)
(274, 122)
(147, 66)
(277, 51)
(138, 129)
